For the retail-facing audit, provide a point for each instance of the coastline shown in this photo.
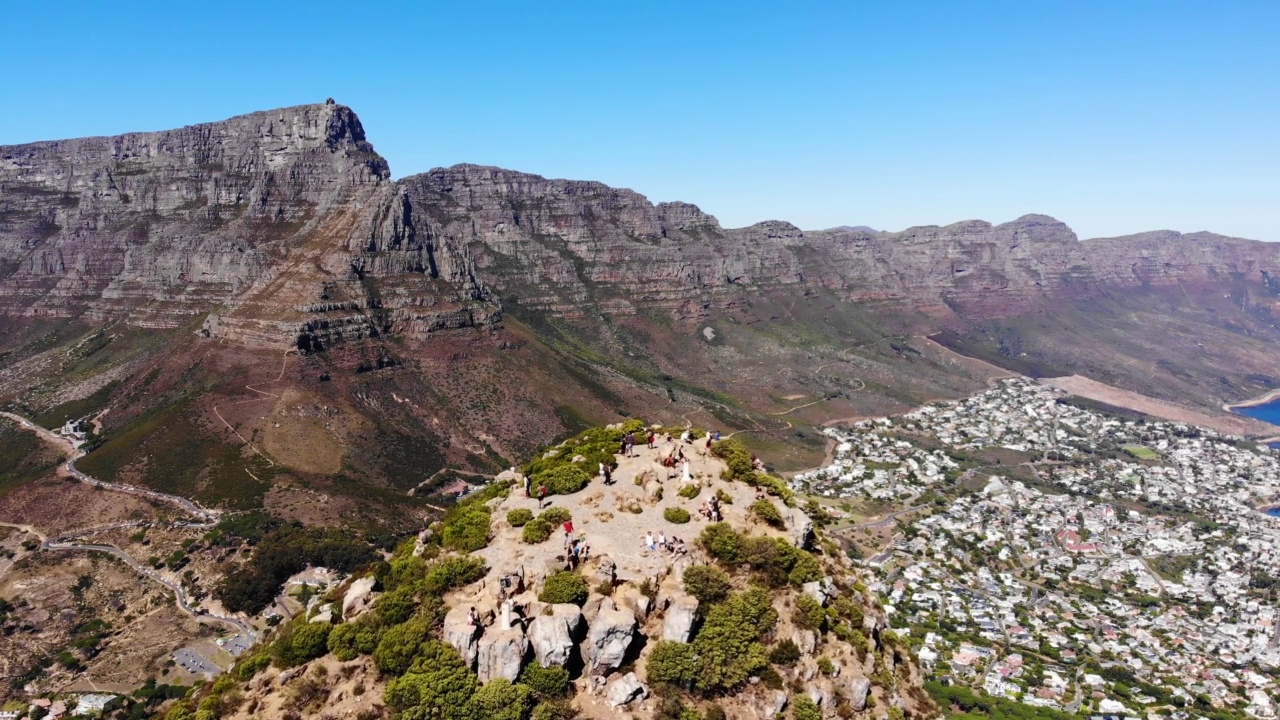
(1268, 398)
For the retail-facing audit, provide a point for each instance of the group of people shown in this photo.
(710, 509)
(576, 551)
(675, 545)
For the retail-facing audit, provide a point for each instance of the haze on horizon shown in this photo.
(1112, 117)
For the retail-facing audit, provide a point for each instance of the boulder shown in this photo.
(606, 570)
(816, 591)
(858, 691)
(511, 475)
(801, 528)
(324, 614)
(677, 623)
(594, 605)
(773, 705)
(624, 690)
(553, 634)
(358, 596)
(501, 654)
(461, 635)
(806, 640)
(608, 640)
(629, 597)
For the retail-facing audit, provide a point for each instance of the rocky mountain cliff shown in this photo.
(285, 224)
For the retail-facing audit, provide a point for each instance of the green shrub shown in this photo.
(536, 531)
(786, 653)
(468, 530)
(348, 640)
(825, 666)
(804, 708)
(299, 642)
(556, 515)
(728, 647)
(708, 584)
(554, 710)
(500, 699)
(453, 571)
(715, 712)
(563, 479)
(676, 515)
(437, 685)
(396, 606)
(672, 663)
(564, 587)
(810, 614)
(722, 542)
(548, 683)
(724, 497)
(805, 570)
(690, 491)
(736, 456)
(768, 512)
(399, 645)
(519, 517)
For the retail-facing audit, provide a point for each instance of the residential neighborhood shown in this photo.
(1073, 557)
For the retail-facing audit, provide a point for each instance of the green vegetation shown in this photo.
(564, 587)
(768, 512)
(300, 641)
(725, 652)
(468, 529)
(786, 654)
(774, 561)
(562, 480)
(676, 515)
(519, 517)
(708, 584)
(740, 467)
(556, 515)
(962, 703)
(1142, 452)
(804, 708)
(536, 531)
(22, 457)
(690, 491)
(548, 683)
(283, 552)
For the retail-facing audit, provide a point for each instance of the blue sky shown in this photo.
(1115, 117)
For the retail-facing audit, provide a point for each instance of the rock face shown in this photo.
(357, 597)
(554, 636)
(681, 614)
(289, 222)
(462, 635)
(501, 654)
(624, 690)
(858, 691)
(608, 640)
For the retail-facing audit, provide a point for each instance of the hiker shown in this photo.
(652, 436)
(542, 495)
(662, 540)
(648, 541)
(685, 476)
(528, 486)
(608, 475)
(604, 474)
(472, 618)
(568, 528)
(684, 436)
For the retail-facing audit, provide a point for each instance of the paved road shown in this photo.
(64, 543)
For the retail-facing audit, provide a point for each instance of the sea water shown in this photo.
(1268, 412)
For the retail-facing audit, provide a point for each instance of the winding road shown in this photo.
(65, 543)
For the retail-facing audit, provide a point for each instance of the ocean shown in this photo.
(1269, 412)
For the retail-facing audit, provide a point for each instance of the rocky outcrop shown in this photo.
(358, 597)
(501, 654)
(608, 640)
(859, 689)
(459, 632)
(554, 634)
(624, 690)
(679, 618)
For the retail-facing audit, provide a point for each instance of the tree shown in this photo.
(565, 586)
(728, 646)
(500, 699)
(708, 584)
(468, 530)
(673, 663)
(399, 646)
(438, 686)
(804, 708)
(300, 642)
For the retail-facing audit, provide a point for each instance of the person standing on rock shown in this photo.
(604, 474)
(648, 541)
(608, 475)
(652, 437)
(528, 486)
(686, 477)
(542, 495)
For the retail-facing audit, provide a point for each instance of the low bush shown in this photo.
(804, 708)
(556, 515)
(676, 515)
(536, 531)
(690, 492)
(708, 584)
(562, 479)
(467, 530)
(786, 653)
(768, 512)
(452, 571)
(564, 587)
(722, 542)
(810, 615)
(549, 683)
(519, 516)
(300, 642)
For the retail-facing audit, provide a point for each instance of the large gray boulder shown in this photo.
(624, 690)
(608, 640)
(358, 596)
(629, 597)
(501, 654)
(461, 635)
(553, 634)
(859, 689)
(677, 623)
(801, 528)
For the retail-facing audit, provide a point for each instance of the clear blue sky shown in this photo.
(1115, 116)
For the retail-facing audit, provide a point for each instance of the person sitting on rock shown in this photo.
(472, 618)
(662, 540)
